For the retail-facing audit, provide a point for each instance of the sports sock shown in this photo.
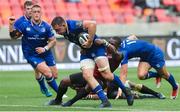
(118, 82)
(52, 83)
(172, 81)
(99, 91)
(42, 83)
(146, 90)
(80, 94)
(151, 74)
(61, 91)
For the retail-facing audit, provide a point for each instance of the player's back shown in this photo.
(137, 48)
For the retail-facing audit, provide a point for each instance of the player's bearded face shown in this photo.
(114, 43)
(27, 11)
(60, 29)
(36, 14)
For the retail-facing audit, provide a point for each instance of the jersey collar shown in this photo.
(32, 23)
(26, 18)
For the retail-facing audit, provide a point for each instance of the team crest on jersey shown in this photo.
(28, 29)
(43, 29)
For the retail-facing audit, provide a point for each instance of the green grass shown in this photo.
(19, 91)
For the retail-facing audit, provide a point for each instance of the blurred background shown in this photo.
(156, 21)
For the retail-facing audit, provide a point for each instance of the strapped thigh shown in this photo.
(106, 66)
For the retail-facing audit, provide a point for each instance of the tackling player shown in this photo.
(91, 54)
(37, 40)
(150, 56)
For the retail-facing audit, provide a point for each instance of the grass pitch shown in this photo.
(19, 91)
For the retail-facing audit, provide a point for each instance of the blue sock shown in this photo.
(172, 81)
(151, 74)
(118, 82)
(52, 83)
(42, 83)
(99, 91)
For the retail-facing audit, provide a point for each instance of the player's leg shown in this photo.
(104, 69)
(54, 71)
(34, 61)
(83, 92)
(41, 80)
(144, 89)
(46, 71)
(144, 73)
(87, 67)
(50, 62)
(62, 89)
(169, 77)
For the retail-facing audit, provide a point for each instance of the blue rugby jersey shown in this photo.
(34, 35)
(136, 48)
(74, 29)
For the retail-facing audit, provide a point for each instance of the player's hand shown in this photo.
(40, 50)
(111, 48)
(87, 44)
(119, 93)
(11, 20)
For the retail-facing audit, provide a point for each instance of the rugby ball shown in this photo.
(83, 37)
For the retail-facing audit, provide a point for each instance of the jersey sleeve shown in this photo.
(18, 25)
(50, 32)
(75, 24)
(125, 59)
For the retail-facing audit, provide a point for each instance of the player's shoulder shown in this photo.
(46, 24)
(22, 19)
(75, 22)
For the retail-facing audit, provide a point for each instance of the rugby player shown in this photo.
(38, 38)
(140, 91)
(150, 56)
(91, 54)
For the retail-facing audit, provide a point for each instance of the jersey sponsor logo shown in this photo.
(28, 29)
(43, 30)
(157, 65)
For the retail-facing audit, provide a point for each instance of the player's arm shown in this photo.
(123, 72)
(14, 34)
(124, 67)
(51, 43)
(90, 26)
(104, 42)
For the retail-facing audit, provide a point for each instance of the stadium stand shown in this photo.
(103, 11)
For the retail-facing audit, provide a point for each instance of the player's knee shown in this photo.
(55, 75)
(64, 83)
(107, 75)
(142, 75)
(87, 76)
(47, 73)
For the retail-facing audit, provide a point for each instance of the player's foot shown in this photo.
(105, 104)
(54, 102)
(67, 104)
(175, 92)
(129, 97)
(158, 82)
(46, 92)
(161, 96)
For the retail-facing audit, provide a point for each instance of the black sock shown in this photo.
(62, 89)
(147, 90)
(82, 93)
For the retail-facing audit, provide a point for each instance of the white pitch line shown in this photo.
(93, 108)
